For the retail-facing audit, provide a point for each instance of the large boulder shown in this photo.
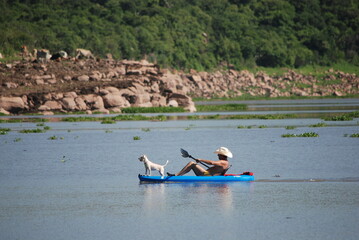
(12, 104)
(50, 106)
(93, 101)
(3, 111)
(80, 103)
(183, 101)
(69, 103)
(115, 100)
(158, 100)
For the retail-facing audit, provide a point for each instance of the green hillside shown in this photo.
(184, 34)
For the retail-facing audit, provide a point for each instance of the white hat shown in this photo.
(224, 151)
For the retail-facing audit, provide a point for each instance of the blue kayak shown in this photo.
(225, 178)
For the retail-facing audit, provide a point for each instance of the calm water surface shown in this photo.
(84, 184)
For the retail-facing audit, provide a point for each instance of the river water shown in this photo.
(84, 185)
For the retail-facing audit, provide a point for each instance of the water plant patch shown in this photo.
(308, 134)
(108, 121)
(152, 110)
(4, 131)
(343, 117)
(322, 124)
(221, 108)
(37, 130)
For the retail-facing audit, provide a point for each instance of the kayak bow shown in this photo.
(225, 178)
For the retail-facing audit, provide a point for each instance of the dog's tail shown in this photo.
(166, 163)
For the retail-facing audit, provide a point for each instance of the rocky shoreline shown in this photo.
(106, 85)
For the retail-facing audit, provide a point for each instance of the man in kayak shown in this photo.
(218, 166)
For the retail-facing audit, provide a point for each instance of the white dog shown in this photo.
(152, 166)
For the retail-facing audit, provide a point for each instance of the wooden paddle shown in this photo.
(185, 154)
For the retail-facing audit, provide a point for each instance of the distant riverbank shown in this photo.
(108, 86)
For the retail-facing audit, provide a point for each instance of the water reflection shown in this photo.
(154, 197)
(216, 195)
(221, 193)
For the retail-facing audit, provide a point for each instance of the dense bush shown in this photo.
(199, 34)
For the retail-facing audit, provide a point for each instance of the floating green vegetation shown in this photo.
(52, 138)
(322, 124)
(193, 117)
(136, 138)
(145, 129)
(4, 131)
(217, 116)
(18, 120)
(108, 121)
(265, 116)
(131, 117)
(108, 131)
(37, 130)
(244, 127)
(17, 139)
(354, 135)
(262, 126)
(222, 107)
(152, 110)
(343, 117)
(63, 160)
(80, 119)
(11, 120)
(308, 134)
(290, 127)
(46, 128)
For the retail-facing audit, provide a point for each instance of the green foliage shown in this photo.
(322, 124)
(152, 110)
(308, 134)
(343, 117)
(264, 116)
(188, 34)
(354, 135)
(108, 121)
(136, 138)
(37, 130)
(222, 107)
(111, 120)
(5, 129)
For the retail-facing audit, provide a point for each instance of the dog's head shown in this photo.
(142, 158)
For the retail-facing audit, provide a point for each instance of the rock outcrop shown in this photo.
(107, 85)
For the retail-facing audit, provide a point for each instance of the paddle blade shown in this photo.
(184, 153)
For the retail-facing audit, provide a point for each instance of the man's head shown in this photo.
(223, 152)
